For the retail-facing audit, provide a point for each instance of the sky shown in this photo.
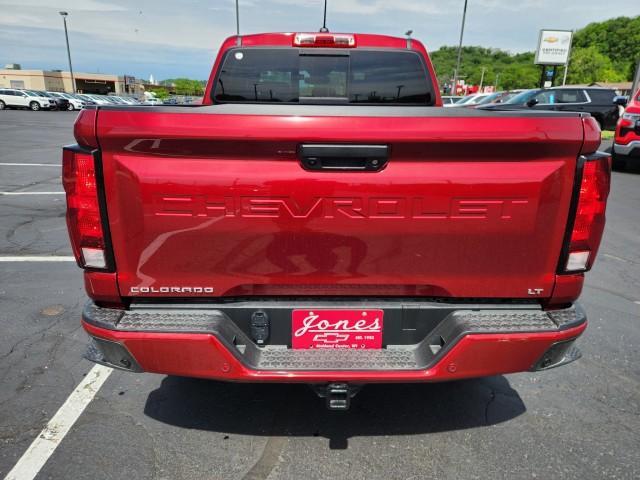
(180, 38)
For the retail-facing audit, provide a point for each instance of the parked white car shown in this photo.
(74, 103)
(129, 100)
(449, 100)
(13, 98)
(152, 101)
(469, 100)
(97, 99)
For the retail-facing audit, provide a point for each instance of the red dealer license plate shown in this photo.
(355, 329)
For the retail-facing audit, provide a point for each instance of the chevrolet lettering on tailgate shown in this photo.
(350, 207)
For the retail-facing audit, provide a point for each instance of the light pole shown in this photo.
(455, 73)
(237, 19)
(482, 80)
(66, 36)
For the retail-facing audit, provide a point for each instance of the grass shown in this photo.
(608, 135)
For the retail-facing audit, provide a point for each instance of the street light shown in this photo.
(455, 73)
(66, 36)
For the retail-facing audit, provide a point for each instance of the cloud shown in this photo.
(374, 7)
(75, 5)
(117, 23)
(9, 18)
(45, 49)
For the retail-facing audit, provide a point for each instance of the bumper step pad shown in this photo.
(337, 359)
(500, 321)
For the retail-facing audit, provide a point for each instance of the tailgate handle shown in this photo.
(366, 158)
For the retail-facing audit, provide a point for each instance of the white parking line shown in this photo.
(30, 165)
(31, 193)
(50, 437)
(38, 258)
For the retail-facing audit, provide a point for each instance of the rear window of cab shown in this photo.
(323, 76)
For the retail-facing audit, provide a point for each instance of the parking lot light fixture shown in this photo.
(66, 36)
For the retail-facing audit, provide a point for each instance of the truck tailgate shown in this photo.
(214, 201)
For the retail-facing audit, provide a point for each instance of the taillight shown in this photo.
(589, 219)
(84, 220)
(327, 40)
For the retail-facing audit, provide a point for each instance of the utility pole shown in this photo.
(66, 36)
(482, 79)
(497, 79)
(636, 82)
(457, 70)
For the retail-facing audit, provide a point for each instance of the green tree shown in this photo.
(508, 70)
(588, 65)
(603, 51)
(186, 86)
(160, 93)
(617, 38)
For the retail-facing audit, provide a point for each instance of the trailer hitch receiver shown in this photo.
(337, 395)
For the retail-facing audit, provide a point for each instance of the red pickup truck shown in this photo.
(626, 147)
(322, 219)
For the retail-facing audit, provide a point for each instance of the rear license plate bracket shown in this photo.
(356, 329)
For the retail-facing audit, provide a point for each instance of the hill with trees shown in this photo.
(186, 86)
(604, 51)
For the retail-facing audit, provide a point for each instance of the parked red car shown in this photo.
(626, 148)
(321, 219)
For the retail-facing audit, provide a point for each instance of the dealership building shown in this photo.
(60, 81)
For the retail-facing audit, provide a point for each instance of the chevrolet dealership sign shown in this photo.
(553, 47)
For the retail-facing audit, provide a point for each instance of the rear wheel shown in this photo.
(35, 106)
(2, 105)
(70, 107)
(618, 162)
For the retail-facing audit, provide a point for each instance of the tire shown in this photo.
(34, 106)
(618, 162)
(70, 107)
(2, 105)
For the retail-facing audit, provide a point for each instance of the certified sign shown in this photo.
(553, 47)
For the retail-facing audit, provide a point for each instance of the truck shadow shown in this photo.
(294, 410)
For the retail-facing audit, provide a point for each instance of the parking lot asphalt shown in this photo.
(580, 421)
